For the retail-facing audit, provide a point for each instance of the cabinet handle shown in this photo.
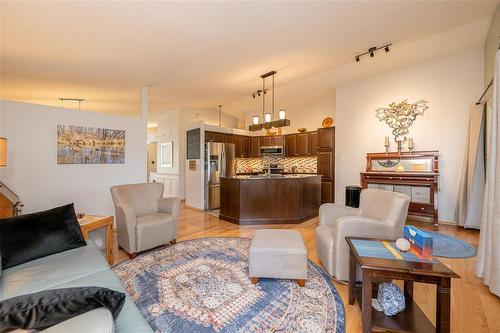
(422, 208)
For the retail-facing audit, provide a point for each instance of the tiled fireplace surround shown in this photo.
(302, 164)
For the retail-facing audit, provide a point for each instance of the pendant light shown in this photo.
(268, 117)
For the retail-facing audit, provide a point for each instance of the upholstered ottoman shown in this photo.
(278, 254)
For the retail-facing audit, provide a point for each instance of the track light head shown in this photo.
(258, 92)
(357, 58)
(371, 54)
(386, 49)
(253, 95)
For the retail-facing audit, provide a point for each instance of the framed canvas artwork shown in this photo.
(166, 150)
(88, 145)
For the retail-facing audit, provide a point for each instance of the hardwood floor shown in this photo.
(474, 308)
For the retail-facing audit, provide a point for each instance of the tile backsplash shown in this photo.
(302, 164)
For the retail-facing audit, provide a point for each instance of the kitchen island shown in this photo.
(278, 199)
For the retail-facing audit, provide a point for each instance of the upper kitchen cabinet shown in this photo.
(291, 145)
(228, 138)
(302, 144)
(215, 136)
(326, 138)
(277, 140)
(313, 143)
(265, 141)
(239, 149)
(255, 146)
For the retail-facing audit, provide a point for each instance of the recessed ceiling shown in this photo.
(195, 54)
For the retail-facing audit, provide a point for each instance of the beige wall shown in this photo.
(449, 84)
(492, 44)
(172, 125)
(33, 173)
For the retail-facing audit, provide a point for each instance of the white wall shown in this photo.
(32, 170)
(172, 126)
(449, 84)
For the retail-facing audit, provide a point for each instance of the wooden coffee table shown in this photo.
(377, 268)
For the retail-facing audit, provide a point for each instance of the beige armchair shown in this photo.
(144, 219)
(382, 214)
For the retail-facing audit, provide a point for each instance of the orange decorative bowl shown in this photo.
(327, 122)
(301, 130)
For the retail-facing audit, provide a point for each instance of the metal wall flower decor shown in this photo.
(399, 117)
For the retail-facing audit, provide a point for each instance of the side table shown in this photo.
(93, 222)
(377, 263)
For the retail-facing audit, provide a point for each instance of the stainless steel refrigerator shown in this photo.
(219, 162)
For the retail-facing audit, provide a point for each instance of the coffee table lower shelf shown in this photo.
(411, 319)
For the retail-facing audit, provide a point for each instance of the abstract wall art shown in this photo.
(88, 145)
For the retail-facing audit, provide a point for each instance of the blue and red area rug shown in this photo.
(202, 285)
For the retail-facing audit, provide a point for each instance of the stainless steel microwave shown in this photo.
(271, 150)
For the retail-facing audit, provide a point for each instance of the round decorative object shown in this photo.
(327, 122)
(403, 244)
(301, 130)
(390, 298)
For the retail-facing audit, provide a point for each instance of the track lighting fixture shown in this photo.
(371, 51)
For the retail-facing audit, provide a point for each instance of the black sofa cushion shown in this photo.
(50, 307)
(31, 236)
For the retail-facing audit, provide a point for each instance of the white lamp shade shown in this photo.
(255, 120)
(267, 117)
(282, 114)
(3, 152)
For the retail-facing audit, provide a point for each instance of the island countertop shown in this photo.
(258, 199)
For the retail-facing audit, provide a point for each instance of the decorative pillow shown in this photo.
(27, 237)
(50, 307)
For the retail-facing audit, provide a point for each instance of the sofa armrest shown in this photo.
(126, 221)
(170, 206)
(329, 213)
(98, 320)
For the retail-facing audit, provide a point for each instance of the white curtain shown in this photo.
(488, 261)
(470, 195)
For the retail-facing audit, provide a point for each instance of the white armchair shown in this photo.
(144, 219)
(382, 214)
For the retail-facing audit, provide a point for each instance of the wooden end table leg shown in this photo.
(352, 276)
(408, 286)
(109, 243)
(366, 307)
(443, 305)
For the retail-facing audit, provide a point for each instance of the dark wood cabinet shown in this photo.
(218, 137)
(265, 141)
(277, 140)
(291, 145)
(325, 164)
(209, 136)
(313, 143)
(326, 138)
(255, 146)
(302, 144)
(228, 138)
(327, 192)
(246, 143)
(239, 151)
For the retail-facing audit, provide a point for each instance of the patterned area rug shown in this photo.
(202, 285)
(450, 247)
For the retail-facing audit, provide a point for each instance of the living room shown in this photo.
(249, 166)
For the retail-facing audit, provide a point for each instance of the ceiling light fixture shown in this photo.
(73, 100)
(268, 116)
(371, 51)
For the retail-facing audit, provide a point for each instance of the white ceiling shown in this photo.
(197, 54)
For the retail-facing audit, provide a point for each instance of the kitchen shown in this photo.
(268, 179)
